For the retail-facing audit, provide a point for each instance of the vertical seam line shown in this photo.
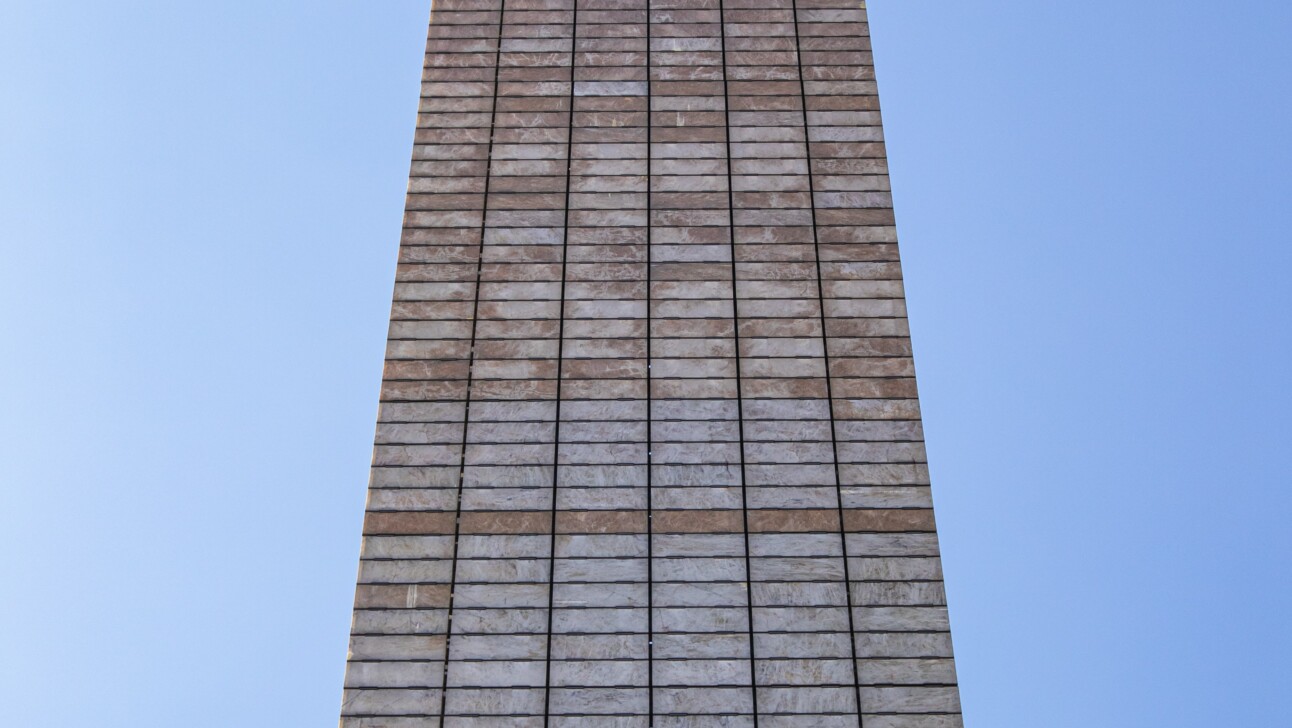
(825, 354)
(735, 331)
(471, 360)
(560, 360)
(650, 415)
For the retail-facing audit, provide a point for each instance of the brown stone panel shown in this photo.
(408, 522)
(793, 521)
(881, 520)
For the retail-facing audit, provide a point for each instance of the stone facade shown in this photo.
(649, 450)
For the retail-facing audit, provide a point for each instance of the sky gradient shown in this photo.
(201, 207)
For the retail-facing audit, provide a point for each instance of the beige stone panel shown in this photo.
(374, 701)
(594, 700)
(804, 672)
(704, 700)
(393, 674)
(499, 647)
(400, 621)
(895, 569)
(894, 593)
(512, 673)
(421, 647)
(911, 699)
(389, 722)
(914, 721)
(567, 673)
(900, 619)
(494, 701)
(934, 645)
(906, 672)
(807, 699)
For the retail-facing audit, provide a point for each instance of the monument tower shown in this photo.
(649, 449)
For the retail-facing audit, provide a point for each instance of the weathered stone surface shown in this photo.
(649, 437)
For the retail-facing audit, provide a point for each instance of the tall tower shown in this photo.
(649, 449)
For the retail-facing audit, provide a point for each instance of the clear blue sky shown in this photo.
(200, 204)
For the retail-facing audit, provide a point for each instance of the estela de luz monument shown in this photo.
(649, 450)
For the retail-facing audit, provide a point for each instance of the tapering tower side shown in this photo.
(649, 450)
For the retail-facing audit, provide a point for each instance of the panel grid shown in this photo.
(649, 449)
